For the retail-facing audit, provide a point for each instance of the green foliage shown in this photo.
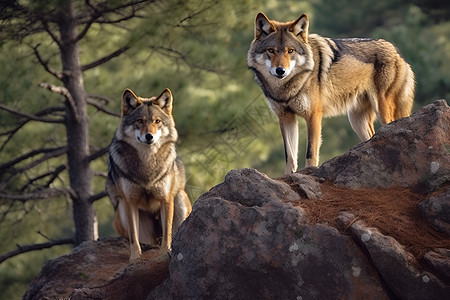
(198, 49)
(52, 218)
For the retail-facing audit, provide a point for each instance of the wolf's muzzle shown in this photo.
(148, 138)
(280, 71)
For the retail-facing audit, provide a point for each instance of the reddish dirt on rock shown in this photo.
(393, 211)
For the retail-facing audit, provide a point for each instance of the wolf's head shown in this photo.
(280, 48)
(148, 120)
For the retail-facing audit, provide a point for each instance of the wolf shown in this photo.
(146, 179)
(314, 77)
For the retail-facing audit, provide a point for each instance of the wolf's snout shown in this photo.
(280, 71)
(148, 137)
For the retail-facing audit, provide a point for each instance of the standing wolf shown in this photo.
(314, 77)
(146, 178)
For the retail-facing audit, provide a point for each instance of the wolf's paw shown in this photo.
(134, 257)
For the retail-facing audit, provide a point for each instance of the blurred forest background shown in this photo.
(198, 49)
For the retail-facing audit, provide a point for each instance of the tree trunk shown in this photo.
(77, 129)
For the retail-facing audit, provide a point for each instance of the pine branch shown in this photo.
(100, 107)
(48, 153)
(63, 91)
(99, 153)
(100, 97)
(50, 33)
(37, 195)
(27, 248)
(177, 55)
(45, 64)
(29, 116)
(10, 170)
(53, 175)
(98, 196)
(105, 58)
(192, 15)
(98, 12)
(12, 132)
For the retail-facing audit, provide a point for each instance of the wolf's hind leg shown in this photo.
(147, 233)
(361, 117)
(405, 96)
(182, 209)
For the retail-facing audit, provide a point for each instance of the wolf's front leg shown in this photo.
(133, 230)
(314, 127)
(167, 211)
(289, 130)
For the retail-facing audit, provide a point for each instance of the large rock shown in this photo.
(259, 246)
(436, 211)
(134, 281)
(398, 268)
(99, 270)
(410, 152)
(438, 261)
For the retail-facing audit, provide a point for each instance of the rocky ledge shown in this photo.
(373, 223)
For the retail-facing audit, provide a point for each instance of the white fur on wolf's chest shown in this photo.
(161, 189)
(149, 196)
(300, 105)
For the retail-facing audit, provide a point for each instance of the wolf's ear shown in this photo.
(164, 101)
(129, 102)
(300, 27)
(263, 26)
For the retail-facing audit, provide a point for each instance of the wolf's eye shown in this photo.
(291, 50)
(157, 121)
(140, 121)
(270, 50)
